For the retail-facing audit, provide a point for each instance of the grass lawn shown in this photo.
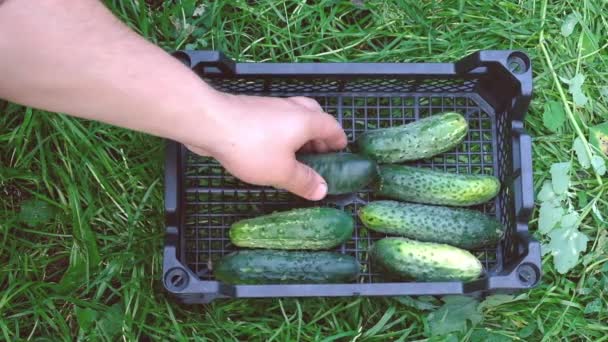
(89, 196)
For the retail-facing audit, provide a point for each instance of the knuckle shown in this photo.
(306, 102)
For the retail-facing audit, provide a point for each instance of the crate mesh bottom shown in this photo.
(214, 199)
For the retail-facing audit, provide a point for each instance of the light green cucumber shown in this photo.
(424, 261)
(417, 140)
(305, 228)
(422, 185)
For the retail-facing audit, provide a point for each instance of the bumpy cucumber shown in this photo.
(282, 267)
(343, 172)
(307, 228)
(425, 261)
(417, 140)
(455, 226)
(421, 185)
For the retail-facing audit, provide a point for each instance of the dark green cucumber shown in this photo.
(307, 228)
(421, 185)
(454, 226)
(425, 261)
(282, 267)
(343, 172)
(417, 140)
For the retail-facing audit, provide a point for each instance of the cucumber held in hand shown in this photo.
(417, 140)
(343, 172)
(425, 261)
(282, 267)
(421, 185)
(307, 228)
(463, 228)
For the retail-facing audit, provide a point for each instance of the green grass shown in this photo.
(98, 189)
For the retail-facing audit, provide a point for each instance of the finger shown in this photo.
(199, 151)
(326, 128)
(307, 148)
(305, 182)
(320, 146)
(306, 102)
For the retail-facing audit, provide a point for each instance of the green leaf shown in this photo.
(568, 24)
(595, 306)
(549, 216)
(604, 92)
(565, 246)
(85, 317)
(73, 276)
(589, 43)
(598, 137)
(546, 194)
(560, 177)
(570, 220)
(417, 303)
(453, 315)
(599, 165)
(528, 330)
(35, 212)
(110, 323)
(495, 300)
(554, 116)
(582, 198)
(581, 154)
(487, 335)
(575, 87)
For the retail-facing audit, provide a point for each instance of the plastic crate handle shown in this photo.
(522, 161)
(207, 62)
(514, 63)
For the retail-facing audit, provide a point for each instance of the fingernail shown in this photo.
(320, 192)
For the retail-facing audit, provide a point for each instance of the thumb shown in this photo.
(305, 182)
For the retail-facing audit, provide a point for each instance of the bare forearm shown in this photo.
(73, 56)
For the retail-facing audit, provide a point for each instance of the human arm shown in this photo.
(73, 56)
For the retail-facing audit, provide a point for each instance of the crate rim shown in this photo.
(180, 281)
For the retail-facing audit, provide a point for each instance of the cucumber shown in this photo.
(463, 228)
(417, 140)
(343, 172)
(421, 185)
(282, 267)
(424, 261)
(306, 228)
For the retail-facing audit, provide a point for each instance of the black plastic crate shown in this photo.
(491, 88)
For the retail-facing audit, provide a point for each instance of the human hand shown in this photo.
(257, 138)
